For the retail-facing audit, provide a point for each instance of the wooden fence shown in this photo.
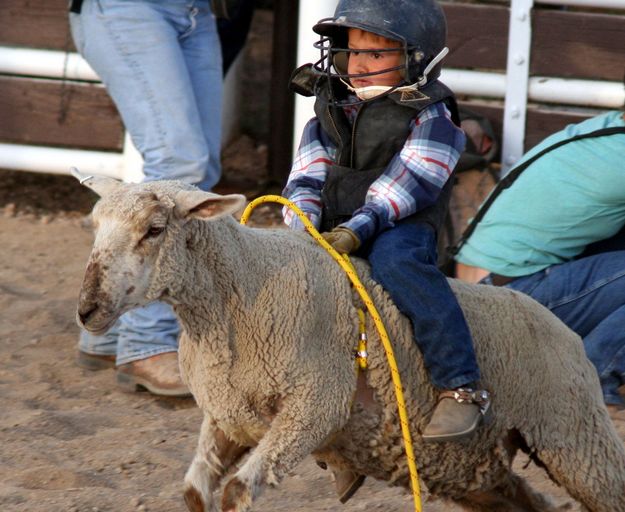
(51, 112)
(569, 43)
(573, 43)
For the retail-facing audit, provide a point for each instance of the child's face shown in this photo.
(368, 62)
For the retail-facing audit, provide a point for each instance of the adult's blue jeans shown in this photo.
(160, 61)
(138, 334)
(588, 295)
(403, 260)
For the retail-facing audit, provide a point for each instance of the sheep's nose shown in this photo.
(86, 311)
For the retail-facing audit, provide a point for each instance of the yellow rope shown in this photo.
(353, 277)
(361, 349)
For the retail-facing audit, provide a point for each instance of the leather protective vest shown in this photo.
(366, 146)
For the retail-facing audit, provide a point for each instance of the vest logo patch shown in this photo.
(410, 96)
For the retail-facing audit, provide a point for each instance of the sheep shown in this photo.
(269, 325)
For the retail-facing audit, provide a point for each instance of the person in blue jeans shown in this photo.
(161, 63)
(555, 231)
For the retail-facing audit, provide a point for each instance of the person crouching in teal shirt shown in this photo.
(557, 234)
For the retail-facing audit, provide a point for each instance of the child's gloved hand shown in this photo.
(343, 240)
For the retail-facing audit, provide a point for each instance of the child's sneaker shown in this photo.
(457, 414)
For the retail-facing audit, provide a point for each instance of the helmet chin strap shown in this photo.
(372, 91)
(437, 58)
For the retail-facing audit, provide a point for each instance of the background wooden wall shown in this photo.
(51, 112)
(566, 43)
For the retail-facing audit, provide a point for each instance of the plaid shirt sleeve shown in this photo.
(308, 174)
(415, 176)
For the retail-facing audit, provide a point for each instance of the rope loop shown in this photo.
(346, 265)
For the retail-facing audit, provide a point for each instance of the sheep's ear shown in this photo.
(101, 185)
(206, 205)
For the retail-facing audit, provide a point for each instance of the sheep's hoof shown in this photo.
(193, 499)
(236, 496)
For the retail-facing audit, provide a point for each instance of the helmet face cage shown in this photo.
(419, 26)
(335, 58)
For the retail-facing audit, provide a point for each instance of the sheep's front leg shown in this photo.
(215, 454)
(302, 425)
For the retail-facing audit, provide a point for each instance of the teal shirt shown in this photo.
(567, 199)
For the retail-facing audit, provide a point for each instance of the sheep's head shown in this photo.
(133, 224)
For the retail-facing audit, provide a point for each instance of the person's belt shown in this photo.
(499, 280)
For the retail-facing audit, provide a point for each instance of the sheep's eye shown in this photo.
(154, 231)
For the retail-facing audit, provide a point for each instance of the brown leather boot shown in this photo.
(347, 483)
(94, 362)
(159, 374)
(457, 414)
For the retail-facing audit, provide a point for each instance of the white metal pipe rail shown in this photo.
(541, 89)
(45, 63)
(50, 64)
(599, 4)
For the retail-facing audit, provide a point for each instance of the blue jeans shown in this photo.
(161, 63)
(403, 260)
(138, 334)
(588, 295)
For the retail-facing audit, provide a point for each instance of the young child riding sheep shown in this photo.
(373, 174)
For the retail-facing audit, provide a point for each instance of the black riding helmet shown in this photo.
(418, 25)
